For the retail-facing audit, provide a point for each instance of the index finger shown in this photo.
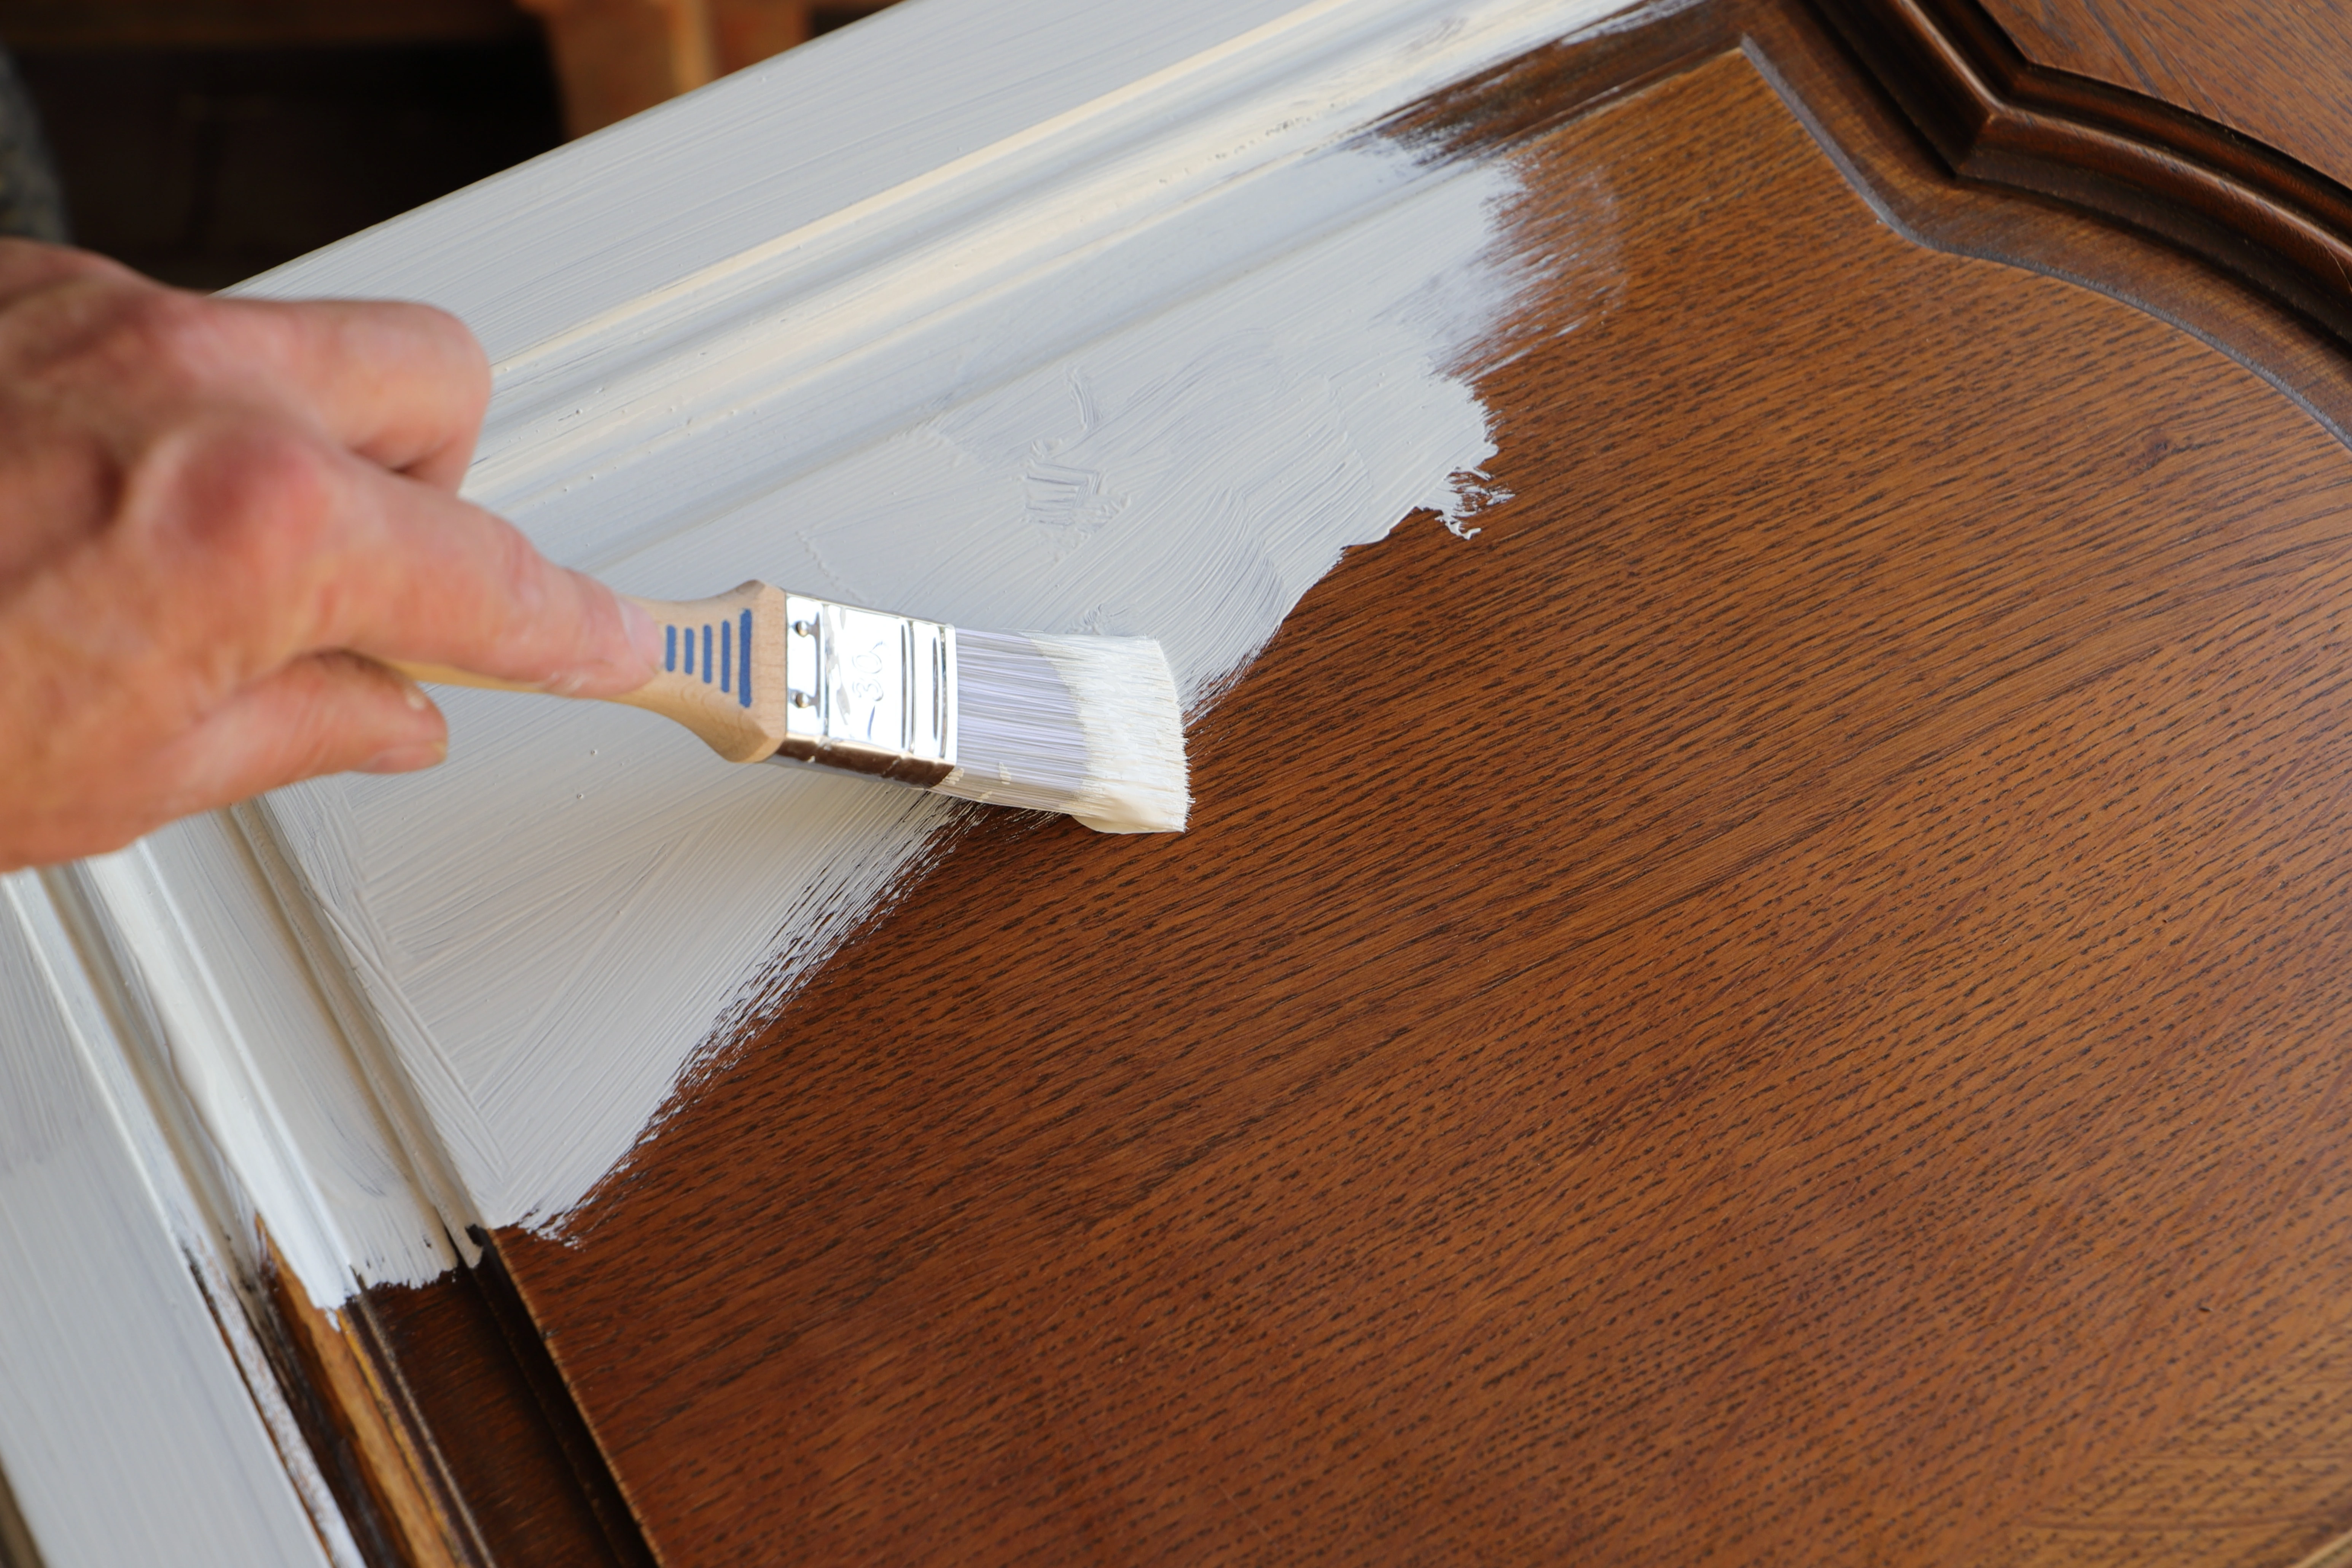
(447, 582)
(275, 545)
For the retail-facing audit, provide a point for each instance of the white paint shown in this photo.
(1062, 318)
(129, 1430)
(249, 1041)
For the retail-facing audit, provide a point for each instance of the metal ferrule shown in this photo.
(868, 691)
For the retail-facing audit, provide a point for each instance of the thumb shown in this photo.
(328, 713)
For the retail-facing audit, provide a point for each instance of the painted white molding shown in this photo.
(138, 1419)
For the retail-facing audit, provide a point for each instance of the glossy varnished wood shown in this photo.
(1995, 115)
(2282, 74)
(1784, 1002)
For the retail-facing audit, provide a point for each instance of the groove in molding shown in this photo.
(1995, 116)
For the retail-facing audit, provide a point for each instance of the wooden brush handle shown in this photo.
(722, 671)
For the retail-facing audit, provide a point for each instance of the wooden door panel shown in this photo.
(2281, 74)
(1782, 1002)
(1995, 116)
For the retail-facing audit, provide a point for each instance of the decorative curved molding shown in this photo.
(1994, 116)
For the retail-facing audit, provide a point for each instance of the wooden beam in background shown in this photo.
(617, 57)
(613, 57)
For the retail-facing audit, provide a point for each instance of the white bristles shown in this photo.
(1085, 725)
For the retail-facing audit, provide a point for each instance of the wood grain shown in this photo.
(1995, 116)
(2252, 1479)
(1782, 1003)
(476, 1386)
(410, 1514)
(2281, 74)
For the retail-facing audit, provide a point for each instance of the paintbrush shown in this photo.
(1088, 726)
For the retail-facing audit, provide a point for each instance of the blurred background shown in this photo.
(205, 140)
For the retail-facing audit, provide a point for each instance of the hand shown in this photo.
(216, 515)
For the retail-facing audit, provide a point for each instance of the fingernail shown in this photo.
(645, 633)
(407, 759)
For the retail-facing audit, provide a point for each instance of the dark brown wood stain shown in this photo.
(1995, 116)
(498, 1435)
(1784, 1003)
(2282, 74)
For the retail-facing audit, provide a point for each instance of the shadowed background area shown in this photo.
(202, 166)
(205, 140)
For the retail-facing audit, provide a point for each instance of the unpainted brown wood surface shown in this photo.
(1785, 1003)
(533, 1495)
(2274, 224)
(2281, 73)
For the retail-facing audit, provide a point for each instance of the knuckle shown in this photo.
(86, 325)
(459, 363)
(168, 334)
(265, 495)
(31, 263)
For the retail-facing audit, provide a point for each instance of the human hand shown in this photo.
(216, 515)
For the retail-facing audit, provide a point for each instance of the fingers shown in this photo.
(298, 549)
(220, 514)
(447, 582)
(421, 576)
(402, 385)
(331, 712)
